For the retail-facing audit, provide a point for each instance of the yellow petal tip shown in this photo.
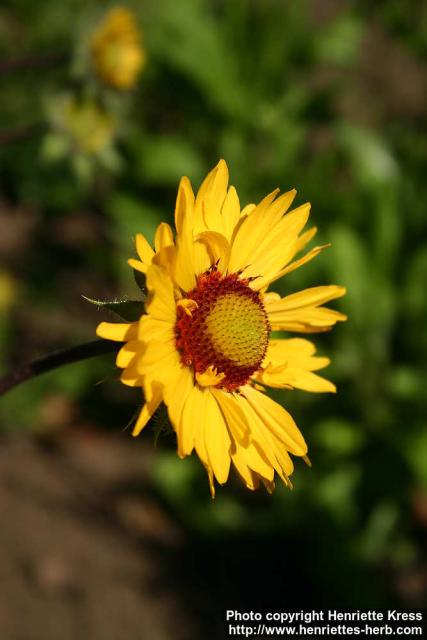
(307, 461)
(209, 378)
(187, 305)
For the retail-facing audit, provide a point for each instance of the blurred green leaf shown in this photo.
(132, 215)
(349, 262)
(173, 477)
(406, 382)
(55, 146)
(189, 38)
(130, 310)
(370, 159)
(387, 232)
(340, 437)
(165, 159)
(336, 492)
(340, 41)
(378, 530)
(321, 96)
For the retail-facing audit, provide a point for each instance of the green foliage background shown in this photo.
(329, 97)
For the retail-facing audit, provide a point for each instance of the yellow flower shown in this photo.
(87, 127)
(116, 49)
(204, 346)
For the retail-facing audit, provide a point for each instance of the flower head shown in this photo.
(116, 49)
(85, 126)
(83, 133)
(204, 345)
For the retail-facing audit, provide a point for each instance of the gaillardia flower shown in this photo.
(204, 345)
(84, 126)
(116, 49)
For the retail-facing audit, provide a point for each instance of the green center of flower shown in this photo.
(236, 326)
(227, 329)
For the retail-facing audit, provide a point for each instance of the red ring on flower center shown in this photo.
(228, 330)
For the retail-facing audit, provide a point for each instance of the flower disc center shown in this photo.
(236, 327)
(228, 330)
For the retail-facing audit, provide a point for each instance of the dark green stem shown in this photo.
(54, 360)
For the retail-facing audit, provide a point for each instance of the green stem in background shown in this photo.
(54, 360)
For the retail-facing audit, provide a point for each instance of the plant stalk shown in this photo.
(54, 360)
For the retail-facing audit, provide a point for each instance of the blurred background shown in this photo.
(102, 110)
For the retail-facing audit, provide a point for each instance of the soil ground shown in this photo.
(80, 547)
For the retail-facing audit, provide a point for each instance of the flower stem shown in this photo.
(55, 360)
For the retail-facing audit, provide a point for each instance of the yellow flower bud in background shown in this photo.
(83, 132)
(86, 126)
(116, 49)
(90, 128)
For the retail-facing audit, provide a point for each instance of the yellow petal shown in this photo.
(192, 423)
(279, 207)
(151, 329)
(161, 303)
(308, 381)
(218, 247)
(275, 238)
(184, 203)
(214, 186)
(147, 411)
(251, 231)
(314, 296)
(137, 265)
(233, 414)
(160, 362)
(192, 258)
(187, 305)
(166, 258)
(184, 273)
(130, 376)
(305, 238)
(247, 210)
(298, 378)
(279, 351)
(217, 439)
(301, 311)
(143, 249)
(249, 477)
(277, 419)
(256, 460)
(265, 450)
(209, 378)
(309, 320)
(230, 213)
(176, 395)
(127, 353)
(117, 331)
(201, 258)
(263, 282)
(290, 363)
(163, 237)
(270, 296)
